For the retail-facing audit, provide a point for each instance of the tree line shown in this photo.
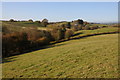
(30, 38)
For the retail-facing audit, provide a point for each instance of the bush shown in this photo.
(30, 20)
(58, 33)
(14, 43)
(80, 27)
(68, 25)
(75, 28)
(79, 21)
(27, 40)
(86, 27)
(61, 34)
(11, 20)
(34, 35)
(104, 26)
(69, 33)
(37, 22)
(94, 27)
(44, 22)
(54, 33)
(42, 41)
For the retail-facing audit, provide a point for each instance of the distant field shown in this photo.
(91, 57)
(23, 24)
(17, 26)
(96, 31)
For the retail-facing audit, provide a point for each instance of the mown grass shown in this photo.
(91, 57)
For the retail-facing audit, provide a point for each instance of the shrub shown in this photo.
(58, 33)
(80, 27)
(34, 35)
(42, 41)
(30, 20)
(86, 27)
(44, 22)
(27, 40)
(37, 22)
(69, 33)
(79, 21)
(11, 20)
(68, 25)
(54, 33)
(61, 34)
(94, 27)
(104, 26)
(14, 43)
(85, 23)
(75, 28)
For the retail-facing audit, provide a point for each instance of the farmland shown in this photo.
(83, 51)
(59, 40)
(90, 57)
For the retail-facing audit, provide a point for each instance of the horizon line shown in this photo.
(60, 20)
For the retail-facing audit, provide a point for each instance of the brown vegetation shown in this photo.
(17, 40)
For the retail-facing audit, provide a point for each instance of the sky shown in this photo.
(61, 11)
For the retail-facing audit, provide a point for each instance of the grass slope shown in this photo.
(92, 57)
(16, 26)
(22, 24)
(96, 31)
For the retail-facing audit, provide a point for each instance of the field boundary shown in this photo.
(89, 35)
(63, 40)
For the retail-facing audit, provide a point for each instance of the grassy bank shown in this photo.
(86, 33)
(92, 57)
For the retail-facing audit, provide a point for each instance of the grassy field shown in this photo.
(91, 57)
(96, 31)
(22, 24)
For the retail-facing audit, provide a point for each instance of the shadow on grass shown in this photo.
(77, 34)
(89, 35)
(10, 59)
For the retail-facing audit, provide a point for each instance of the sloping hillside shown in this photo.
(92, 57)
